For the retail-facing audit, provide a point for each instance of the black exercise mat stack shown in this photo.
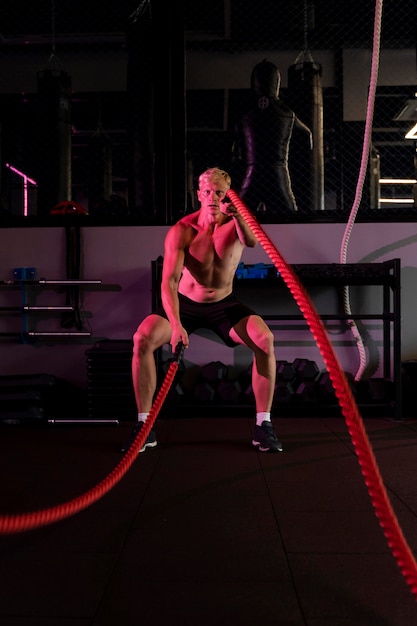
(30, 399)
(109, 381)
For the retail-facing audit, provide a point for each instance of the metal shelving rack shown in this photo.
(27, 309)
(386, 275)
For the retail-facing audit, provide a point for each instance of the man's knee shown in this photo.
(141, 342)
(267, 342)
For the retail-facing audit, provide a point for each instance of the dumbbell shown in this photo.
(306, 369)
(286, 371)
(228, 392)
(210, 376)
(284, 392)
(244, 379)
(214, 371)
(183, 388)
(326, 392)
(305, 385)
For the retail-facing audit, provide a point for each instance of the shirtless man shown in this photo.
(201, 254)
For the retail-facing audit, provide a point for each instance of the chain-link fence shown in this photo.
(114, 109)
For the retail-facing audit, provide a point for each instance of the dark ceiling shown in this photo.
(278, 24)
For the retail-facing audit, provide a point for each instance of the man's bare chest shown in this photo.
(212, 249)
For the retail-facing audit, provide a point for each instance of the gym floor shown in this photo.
(204, 529)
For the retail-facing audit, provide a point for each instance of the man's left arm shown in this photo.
(244, 232)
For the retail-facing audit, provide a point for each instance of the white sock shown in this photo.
(263, 417)
(142, 417)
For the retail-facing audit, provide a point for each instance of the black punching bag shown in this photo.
(54, 139)
(306, 97)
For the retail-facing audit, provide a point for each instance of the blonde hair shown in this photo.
(213, 173)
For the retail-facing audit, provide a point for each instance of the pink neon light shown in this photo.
(26, 180)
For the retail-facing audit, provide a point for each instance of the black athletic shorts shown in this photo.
(219, 317)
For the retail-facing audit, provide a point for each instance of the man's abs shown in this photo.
(199, 293)
(211, 288)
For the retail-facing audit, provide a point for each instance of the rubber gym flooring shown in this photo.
(204, 529)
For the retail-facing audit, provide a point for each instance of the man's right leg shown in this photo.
(150, 335)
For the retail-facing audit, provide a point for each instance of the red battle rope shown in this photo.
(12, 524)
(369, 467)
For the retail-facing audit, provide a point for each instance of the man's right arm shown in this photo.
(174, 253)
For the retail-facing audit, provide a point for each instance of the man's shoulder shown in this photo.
(183, 230)
(191, 216)
(188, 220)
